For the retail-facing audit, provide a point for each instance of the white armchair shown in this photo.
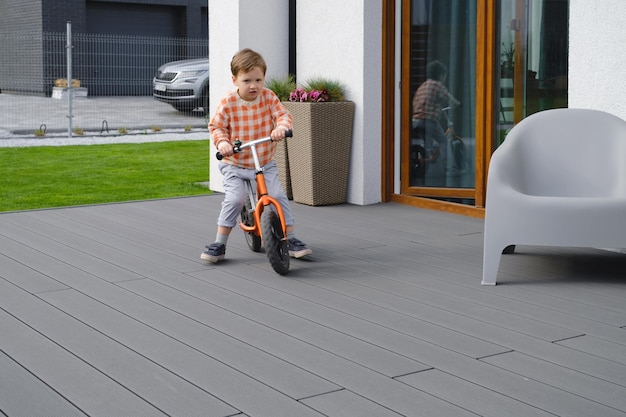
(559, 179)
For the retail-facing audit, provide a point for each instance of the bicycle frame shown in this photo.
(261, 199)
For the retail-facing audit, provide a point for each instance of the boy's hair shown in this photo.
(245, 60)
(435, 70)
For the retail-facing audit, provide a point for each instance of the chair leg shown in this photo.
(491, 263)
(509, 250)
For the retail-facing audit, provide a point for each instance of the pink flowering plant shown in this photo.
(318, 90)
(315, 90)
(315, 96)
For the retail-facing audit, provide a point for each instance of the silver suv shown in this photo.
(183, 84)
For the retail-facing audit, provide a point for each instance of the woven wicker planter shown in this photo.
(319, 152)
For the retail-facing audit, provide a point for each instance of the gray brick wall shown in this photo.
(18, 16)
(20, 45)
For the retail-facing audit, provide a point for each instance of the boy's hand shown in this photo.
(278, 134)
(225, 148)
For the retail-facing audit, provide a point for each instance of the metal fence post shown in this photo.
(69, 79)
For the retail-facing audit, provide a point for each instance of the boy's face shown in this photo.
(249, 84)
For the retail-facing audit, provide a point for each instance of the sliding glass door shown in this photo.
(440, 151)
(471, 70)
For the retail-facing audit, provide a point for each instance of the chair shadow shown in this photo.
(567, 265)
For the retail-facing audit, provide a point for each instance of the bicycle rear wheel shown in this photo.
(247, 218)
(276, 247)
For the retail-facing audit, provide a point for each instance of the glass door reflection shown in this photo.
(440, 154)
(532, 73)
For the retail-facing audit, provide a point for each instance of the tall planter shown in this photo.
(319, 151)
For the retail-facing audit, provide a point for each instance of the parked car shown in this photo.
(183, 84)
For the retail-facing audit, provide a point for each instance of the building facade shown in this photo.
(506, 59)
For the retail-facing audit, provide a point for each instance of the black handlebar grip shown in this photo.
(219, 156)
(288, 133)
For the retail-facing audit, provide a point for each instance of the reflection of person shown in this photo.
(249, 112)
(429, 100)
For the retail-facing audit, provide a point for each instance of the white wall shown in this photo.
(596, 55)
(342, 40)
(236, 24)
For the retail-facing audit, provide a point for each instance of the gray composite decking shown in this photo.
(107, 310)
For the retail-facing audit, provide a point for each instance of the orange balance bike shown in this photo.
(262, 218)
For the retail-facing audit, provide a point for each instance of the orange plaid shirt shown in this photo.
(236, 118)
(430, 98)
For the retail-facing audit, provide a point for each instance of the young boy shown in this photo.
(428, 101)
(249, 112)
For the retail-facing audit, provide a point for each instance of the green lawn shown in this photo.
(55, 176)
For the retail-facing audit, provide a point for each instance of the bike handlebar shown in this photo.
(238, 146)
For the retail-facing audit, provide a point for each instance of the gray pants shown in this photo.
(434, 137)
(236, 192)
(431, 131)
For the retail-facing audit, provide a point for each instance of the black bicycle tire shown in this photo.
(252, 239)
(276, 247)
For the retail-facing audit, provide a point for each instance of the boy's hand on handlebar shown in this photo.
(278, 134)
(225, 148)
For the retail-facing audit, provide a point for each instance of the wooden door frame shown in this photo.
(388, 99)
(486, 67)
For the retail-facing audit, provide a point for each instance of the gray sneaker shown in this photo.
(214, 252)
(298, 249)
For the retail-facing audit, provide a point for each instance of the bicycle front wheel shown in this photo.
(276, 247)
